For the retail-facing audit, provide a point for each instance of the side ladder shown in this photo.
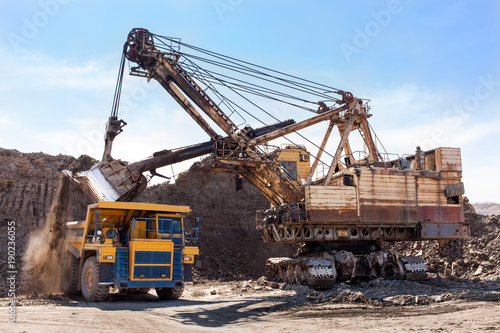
(121, 267)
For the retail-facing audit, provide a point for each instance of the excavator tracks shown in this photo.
(415, 267)
(326, 269)
(316, 272)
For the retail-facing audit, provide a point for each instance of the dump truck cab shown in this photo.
(130, 246)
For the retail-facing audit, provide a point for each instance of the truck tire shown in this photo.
(69, 278)
(91, 290)
(169, 293)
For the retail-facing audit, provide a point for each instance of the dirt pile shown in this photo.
(377, 292)
(400, 292)
(475, 258)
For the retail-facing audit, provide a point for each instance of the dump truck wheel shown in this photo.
(91, 289)
(69, 279)
(169, 293)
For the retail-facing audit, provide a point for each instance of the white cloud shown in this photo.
(36, 71)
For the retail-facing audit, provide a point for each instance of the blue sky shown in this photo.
(430, 69)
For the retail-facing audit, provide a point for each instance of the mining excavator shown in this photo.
(340, 211)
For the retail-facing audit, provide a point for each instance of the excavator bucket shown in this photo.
(109, 181)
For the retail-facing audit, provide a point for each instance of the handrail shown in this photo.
(96, 237)
(191, 235)
(156, 232)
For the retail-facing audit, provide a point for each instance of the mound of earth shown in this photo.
(475, 258)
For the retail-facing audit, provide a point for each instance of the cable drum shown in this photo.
(138, 37)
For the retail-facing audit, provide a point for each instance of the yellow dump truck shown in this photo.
(131, 247)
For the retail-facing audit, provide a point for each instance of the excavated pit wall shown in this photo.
(35, 196)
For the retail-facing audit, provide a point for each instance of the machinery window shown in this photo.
(169, 224)
(290, 169)
(348, 180)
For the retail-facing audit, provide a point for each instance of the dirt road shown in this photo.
(256, 307)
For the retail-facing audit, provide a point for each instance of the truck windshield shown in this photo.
(169, 224)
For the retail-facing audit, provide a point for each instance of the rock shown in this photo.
(476, 256)
(262, 281)
(213, 292)
(377, 282)
(311, 297)
(456, 268)
(487, 264)
(258, 288)
(274, 285)
(468, 208)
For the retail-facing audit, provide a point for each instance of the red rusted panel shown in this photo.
(332, 216)
(388, 214)
(440, 213)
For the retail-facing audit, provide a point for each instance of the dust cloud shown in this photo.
(46, 249)
(46, 252)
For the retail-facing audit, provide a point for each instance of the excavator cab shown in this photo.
(295, 162)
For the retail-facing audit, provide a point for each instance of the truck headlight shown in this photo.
(108, 257)
(187, 258)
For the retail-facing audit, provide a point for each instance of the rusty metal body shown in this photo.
(370, 203)
(341, 225)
